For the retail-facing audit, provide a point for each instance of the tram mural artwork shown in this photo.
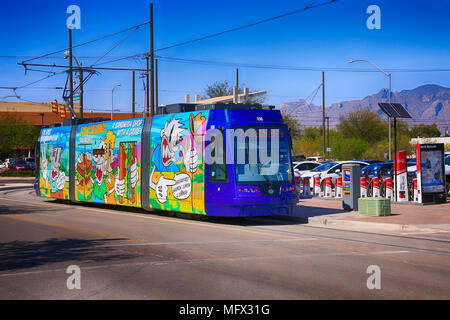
(177, 167)
(108, 162)
(54, 162)
(159, 163)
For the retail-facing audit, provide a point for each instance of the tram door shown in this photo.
(127, 160)
(84, 167)
(198, 179)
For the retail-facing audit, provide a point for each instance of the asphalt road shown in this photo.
(136, 255)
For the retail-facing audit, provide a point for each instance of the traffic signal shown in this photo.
(63, 111)
(55, 106)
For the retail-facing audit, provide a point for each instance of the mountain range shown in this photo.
(426, 104)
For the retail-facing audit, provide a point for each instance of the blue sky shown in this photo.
(413, 35)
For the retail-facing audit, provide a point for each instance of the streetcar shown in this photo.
(230, 160)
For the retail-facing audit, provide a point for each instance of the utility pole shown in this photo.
(147, 102)
(81, 93)
(389, 121)
(133, 101)
(323, 112)
(237, 78)
(70, 71)
(156, 85)
(328, 137)
(152, 77)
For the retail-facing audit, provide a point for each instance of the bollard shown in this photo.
(317, 186)
(416, 191)
(297, 185)
(375, 187)
(338, 190)
(389, 192)
(363, 187)
(327, 192)
(306, 187)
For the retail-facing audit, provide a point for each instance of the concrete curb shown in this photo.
(341, 224)
(352, 225)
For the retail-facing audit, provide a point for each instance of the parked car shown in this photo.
(316, 159)
(9, 161)
(331, 170)
(298, 157)
(19, 165)
(372, 161)
(447, 165)
(303, 166)
(31, 162)
(375, 169)
(411, 165)
(447, 173)
(2, 165)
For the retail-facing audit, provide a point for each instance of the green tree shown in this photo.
(363, 124)
(424, 131)
(294, 126)
(16, 135)
(224, 88)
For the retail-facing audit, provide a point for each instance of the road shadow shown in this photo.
(29, 254)
(306, 211)
(28, 209)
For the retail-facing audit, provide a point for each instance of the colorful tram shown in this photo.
(173, 162)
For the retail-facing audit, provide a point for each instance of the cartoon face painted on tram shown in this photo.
(177, 154)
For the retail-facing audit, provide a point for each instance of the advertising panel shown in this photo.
(431, 174)
(401, 176)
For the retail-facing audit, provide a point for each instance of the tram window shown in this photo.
(218, 171)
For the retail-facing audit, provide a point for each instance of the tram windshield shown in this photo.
(262, 155)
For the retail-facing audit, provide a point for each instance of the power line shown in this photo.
(226, 31)
(293, 68)
(84, 43)
(246, 26)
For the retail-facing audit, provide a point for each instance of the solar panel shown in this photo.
(394, 110)
(389, 110)
(401, 110)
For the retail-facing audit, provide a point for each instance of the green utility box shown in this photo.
(374, 206)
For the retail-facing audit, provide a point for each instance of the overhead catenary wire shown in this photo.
(307, 7)
(311, 6)
(293, 68)
(87, 42)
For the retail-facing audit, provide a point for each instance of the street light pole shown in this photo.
(112, 96)
(389, 76)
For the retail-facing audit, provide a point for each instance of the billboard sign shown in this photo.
(431, 172)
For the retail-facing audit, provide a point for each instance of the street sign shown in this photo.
(76, 97)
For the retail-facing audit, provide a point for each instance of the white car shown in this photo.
(2, 165)
(304, 166)
(315, 159)
(447, 165)
(330, 170)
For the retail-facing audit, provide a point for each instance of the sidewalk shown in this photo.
(404, 217)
